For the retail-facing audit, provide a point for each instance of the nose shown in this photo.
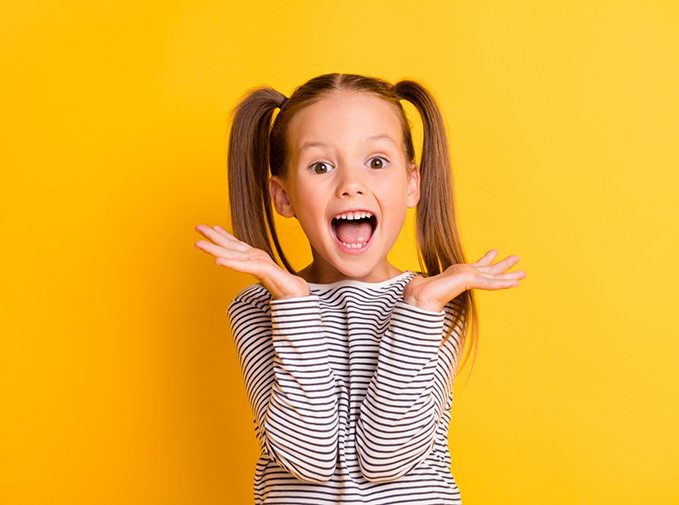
(350, 182)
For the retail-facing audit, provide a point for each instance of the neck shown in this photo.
(314, 273)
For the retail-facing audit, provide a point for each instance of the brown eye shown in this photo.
(381, 162)
(320, 167)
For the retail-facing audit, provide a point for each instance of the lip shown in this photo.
(367, 245)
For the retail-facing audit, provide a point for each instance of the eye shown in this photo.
(317, 167)
(382, 162)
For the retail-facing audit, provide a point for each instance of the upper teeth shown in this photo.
(358, 214)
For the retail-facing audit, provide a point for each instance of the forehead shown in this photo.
(344, 117)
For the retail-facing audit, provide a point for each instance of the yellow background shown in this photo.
(119, 379)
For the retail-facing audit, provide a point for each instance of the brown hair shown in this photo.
(257, 147)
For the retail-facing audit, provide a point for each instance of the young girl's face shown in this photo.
(347, 158)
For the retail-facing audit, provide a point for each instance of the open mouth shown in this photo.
(353, 230)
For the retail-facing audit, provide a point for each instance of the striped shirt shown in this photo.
(351, 393)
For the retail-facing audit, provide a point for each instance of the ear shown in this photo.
(279, 197)
(413, 185)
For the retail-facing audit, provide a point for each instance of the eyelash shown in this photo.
(311, 167)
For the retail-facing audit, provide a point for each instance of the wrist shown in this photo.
(411, 296)
(422, 304)
(297, 293)
(290, 294)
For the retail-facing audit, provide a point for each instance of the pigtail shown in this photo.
(248, 171)
(437, 235)
(438, 239)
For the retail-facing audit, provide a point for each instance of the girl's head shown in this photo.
(343, 142)
(344, 154)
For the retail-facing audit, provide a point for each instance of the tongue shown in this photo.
(353, 232)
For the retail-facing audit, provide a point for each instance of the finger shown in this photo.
(259, 267)
(487, 258)
(222, 238)
(220, 251)
(212, 232)
(225, 233)
(222, 247)
(503, 265)
(231, 238)
(242, 266)
(518, 274)
(494, 283)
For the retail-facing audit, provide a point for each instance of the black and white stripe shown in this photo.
(351, 393)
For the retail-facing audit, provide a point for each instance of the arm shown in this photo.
(291, 388)
(407, 394)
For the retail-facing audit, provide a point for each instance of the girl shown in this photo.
(348, 363)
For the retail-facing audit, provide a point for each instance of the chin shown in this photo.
(360, 271)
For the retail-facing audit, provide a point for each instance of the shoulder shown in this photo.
(254, 296)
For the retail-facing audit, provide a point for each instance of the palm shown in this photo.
(241, 257)
(435, 291)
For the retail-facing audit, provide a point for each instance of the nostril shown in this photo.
(350, 187)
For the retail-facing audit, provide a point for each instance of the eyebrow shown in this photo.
(382, 136)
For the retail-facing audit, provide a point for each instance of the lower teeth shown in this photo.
(354, 246)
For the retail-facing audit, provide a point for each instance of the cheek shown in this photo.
(397, 210)
(397, 193)
(397, 206)
(310, 213)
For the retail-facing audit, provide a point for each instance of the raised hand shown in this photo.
(432, 293)
(241, 257)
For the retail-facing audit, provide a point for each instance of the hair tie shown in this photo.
(285, 99)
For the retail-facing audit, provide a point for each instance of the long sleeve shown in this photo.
(406, 397)
(291, 388)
